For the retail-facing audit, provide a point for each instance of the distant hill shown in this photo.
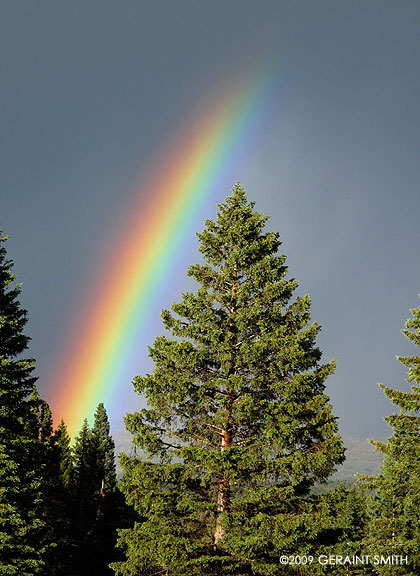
(361, 457)
(122, 444)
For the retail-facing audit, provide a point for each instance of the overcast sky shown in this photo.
(91, 88)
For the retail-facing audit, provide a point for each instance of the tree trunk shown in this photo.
(222, 494)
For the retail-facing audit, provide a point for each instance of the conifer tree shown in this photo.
(96, 498)
(83, 499)
(94, 465)
(342, 531)
(59, 463)
(238, 427)
(54, 509)
(63, 442)
(83, 481)
(20, 494)
(110, 508)
(395, 523)
(103, 447)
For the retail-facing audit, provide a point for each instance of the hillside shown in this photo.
(361, 457)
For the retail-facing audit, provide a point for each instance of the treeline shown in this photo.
(237, 436)
(60, 506)
(80, 507)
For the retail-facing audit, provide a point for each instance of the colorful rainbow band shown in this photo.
(139, 253)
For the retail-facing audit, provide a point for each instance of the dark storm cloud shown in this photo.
(91, 89)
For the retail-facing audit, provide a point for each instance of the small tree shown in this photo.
(238, 427)
(395, 523)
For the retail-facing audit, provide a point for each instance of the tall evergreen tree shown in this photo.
(97, 501)
(342, 532)
(83, 499)
(238, 427)
(110, 509)
(83, 481)
(103, 447)
(63, 442)
(54, 509)
(58, 482)
(20, 494)
(395, 522)
(94, 466)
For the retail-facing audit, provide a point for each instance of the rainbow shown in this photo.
(140, 252)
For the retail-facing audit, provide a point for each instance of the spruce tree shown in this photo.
(108, 499)
(342, 531)
(395, 523)
(103, 447)
(54, 506)
(58, 483)
(63, 443)
(83, 480)
(97, 501)
(238, 426)
(94, 471)
(20, 493)
(83, 499)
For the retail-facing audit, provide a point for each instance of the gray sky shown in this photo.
(91, 88)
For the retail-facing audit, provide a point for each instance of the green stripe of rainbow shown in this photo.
(141, 251)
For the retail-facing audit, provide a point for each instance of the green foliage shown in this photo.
(62, 440)
(103, 447)
(20, 490)
(55, 506)
(56, 518)
(18, 555)
(83, 481)
(98, 505)
(343, 529)
(16, 380)
(395, 524)
(238, 427)
(94, 466)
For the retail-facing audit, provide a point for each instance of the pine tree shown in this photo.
(83, 511)
(97, 501)
(63, 443)
(108, 499)
(94, 466)
(395, 523)
(58, 483)
(84, 484)
(342, 531)
(20, 494)
(238, 427)
(55, 502)
(104, 451)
